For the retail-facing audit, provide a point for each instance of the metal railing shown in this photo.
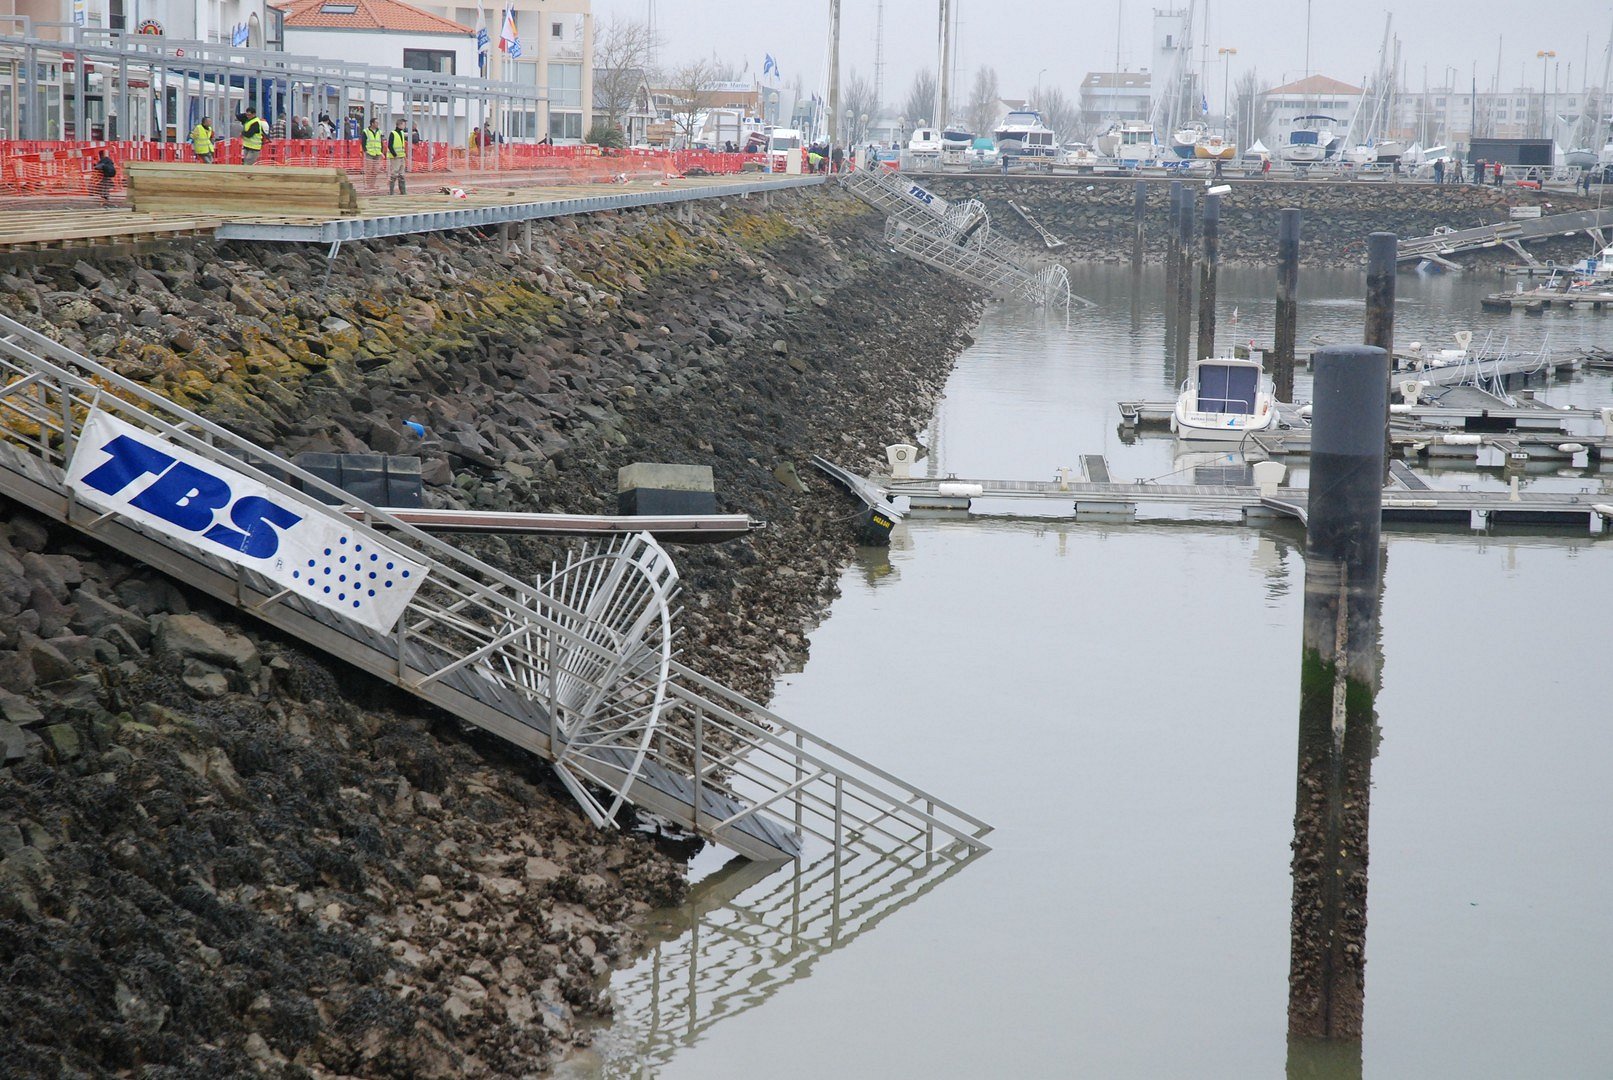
(717, 763)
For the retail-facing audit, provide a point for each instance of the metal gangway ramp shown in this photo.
(517, 659)
(1511, 234)
(957, 239)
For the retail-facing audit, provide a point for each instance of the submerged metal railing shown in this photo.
(956, 238)
(713, 761)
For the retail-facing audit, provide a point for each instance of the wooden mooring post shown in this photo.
(1383, 254)
(1139, 214)
(1338, 686)
(1211, 226)
(1184, 280)
(1282, 361)
(1172, 266)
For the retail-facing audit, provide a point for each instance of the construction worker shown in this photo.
(397, 159)
(253, 129)
(201, 140)
(373, 152)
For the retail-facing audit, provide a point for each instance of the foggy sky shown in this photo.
(1068, 38)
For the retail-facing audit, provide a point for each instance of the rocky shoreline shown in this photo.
(222, 851)
(1094, 215)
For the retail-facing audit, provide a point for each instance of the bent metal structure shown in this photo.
(577, 669)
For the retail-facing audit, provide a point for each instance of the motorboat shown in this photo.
(1130, 142)
(1223, 399)
(1023, 134)
(981, 152)
(1215, 148)
(1311, 139)
(1185, 142)
(924, 141)
(1077, 155)
(1580, 157)
(956, 137)
(1389, 151)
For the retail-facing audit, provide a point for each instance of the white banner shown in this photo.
(316, 553)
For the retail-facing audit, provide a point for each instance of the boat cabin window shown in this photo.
(1224, 389)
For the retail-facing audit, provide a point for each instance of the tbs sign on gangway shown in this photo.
(118, 468)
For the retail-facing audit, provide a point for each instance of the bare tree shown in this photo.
(622, 51)
(984, 101)
(725, 70)
(1251, 99)
(688, 85)
(1059, 112)
(920, 104)
(858, 99)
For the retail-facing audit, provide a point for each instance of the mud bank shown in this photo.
(1094, 215)
(224, 852)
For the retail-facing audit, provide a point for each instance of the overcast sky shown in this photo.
(1068, 38)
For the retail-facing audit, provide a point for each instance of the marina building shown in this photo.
(1317, 95)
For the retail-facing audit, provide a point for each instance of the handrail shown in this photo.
(469, 616)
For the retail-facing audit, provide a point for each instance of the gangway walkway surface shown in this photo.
(1507, 233)
(488, 648)
(957, 238)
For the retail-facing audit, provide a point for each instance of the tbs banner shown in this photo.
(316, 553)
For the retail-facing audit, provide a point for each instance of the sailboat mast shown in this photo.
(943, 66)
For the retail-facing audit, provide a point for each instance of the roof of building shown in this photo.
(1118, 80)
(1317, 84)
(368, 15)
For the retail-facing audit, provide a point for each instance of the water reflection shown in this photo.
(746, 932)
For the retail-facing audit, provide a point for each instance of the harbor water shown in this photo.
(1120, 702)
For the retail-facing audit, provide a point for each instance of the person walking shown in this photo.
(1439, 171)
(253, 129)
(374, 152)
(397, 159)
(1500, 171)
(105, 169)
(201, 141)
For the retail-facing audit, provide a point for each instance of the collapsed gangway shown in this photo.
(957, 239)
(578, 669)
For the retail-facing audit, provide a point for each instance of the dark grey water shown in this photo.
(1120, 702)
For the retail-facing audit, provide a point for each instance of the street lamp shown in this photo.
(1226, 73)
(1543, 55)
(1039, 75)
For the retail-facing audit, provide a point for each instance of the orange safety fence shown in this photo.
(38, 167)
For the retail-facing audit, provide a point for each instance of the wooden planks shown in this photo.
(229, 190)
(40, 229)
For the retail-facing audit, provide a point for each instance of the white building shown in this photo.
(557, 55)
(1116, 95)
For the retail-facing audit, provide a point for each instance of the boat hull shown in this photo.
(1219, 427)
(1215, 151)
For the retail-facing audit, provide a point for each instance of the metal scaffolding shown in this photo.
(113, 85)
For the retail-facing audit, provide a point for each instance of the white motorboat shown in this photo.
(1389, 151)
(1131, 142)
(1224, 399)
(956, 137)
(924, 141)
(1077, 155)
(1310, 140)
(1580, 157)
(1023, 134)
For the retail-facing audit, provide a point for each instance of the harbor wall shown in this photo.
(222, 851)
(1094, 215)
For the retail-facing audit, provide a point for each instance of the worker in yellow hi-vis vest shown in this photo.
(201, 140)
(253, 129)
(373, 151)
(397, 159)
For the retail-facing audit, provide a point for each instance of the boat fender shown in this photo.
(959, 491)
(1305, 410)
(1571, 447)
(1402, 408)
(1604, 509)
(1460, 439)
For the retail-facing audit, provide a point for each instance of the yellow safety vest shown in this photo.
(201, 139)
(252, 133)
(372, 143)
(397, 142)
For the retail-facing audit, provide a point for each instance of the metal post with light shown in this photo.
(1226, 55)
(1543, 55)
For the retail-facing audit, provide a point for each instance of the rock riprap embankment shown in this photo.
(1093, 214)
(221, 851)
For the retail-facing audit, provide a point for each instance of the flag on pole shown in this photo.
(482, 39)
(1204, 105)
(770, 66)
(508, 40)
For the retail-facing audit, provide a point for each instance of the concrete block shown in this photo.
(652, 488)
